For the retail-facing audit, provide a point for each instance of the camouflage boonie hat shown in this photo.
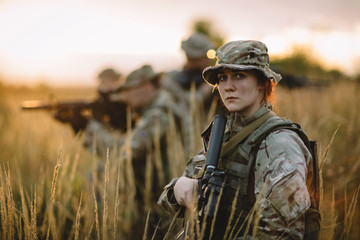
(140, 76)
(109, 73)
(241, 55)
(197, 45)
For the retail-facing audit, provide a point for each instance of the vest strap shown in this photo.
(244, 133)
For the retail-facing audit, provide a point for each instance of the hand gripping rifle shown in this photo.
(211, 183)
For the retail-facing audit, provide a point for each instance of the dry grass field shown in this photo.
(49, 187)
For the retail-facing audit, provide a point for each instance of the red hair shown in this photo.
(268, 85)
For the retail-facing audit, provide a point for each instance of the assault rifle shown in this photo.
(211, 182)
(77, 113)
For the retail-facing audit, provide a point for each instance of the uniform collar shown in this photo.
(237, 122)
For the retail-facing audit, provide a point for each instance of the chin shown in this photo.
(234, 108)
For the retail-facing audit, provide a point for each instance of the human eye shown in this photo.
(222, 77)
(240, 75)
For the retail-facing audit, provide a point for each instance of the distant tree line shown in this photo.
(301, 68)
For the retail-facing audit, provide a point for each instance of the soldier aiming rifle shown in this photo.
(109, 112)
(77, 113)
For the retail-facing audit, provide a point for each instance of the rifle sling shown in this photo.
(244, 133)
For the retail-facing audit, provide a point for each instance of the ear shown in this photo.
(264, 84)
(261, 85)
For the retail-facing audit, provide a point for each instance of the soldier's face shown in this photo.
(107, 84)
(198, 63)
(240, 91)
(139, 96)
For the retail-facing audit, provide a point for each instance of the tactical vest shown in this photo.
(239, 162)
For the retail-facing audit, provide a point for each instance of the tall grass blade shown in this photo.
(77, 222)
(324, 156)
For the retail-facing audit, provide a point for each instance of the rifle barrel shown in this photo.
(35, 104)
(215, 143)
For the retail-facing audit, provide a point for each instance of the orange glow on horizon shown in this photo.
(72, 40)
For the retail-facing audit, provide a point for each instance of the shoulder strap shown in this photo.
(310, 145)
(245, 132)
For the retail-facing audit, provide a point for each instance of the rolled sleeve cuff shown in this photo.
(167, 199)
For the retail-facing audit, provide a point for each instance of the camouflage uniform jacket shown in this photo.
(195, 102)
(179, 84)
(279, 177)
(153, 121)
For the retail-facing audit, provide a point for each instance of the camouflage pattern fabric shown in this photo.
(193, 102)
(109, 80)
(241, 55)
(188, 88)
(153, 119)
(280, 174)
(139, 76)
(197, 45)
(179, 83)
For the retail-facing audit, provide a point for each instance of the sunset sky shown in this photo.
(68, 42)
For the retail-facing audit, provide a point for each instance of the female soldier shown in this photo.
(270, 169)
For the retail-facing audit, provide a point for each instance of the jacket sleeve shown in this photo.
(281, 170)
(153, 123)
(99, 138)
(167, 199)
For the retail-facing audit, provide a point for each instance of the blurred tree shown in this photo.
(206, 27)
(299, 62)
(302, 65)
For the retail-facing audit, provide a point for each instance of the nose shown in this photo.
(229, 85)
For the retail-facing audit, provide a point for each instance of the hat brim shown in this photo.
(210, 73)
(127, 86)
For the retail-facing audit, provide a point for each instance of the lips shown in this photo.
(230, 98)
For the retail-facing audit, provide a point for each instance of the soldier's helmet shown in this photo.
(140, 76)
(241, 55)
(109, 73)
(197, 45)
(108, 81)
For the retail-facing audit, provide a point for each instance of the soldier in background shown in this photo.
(114, 114)
(109, 81)
(191, 93)
(148, 142)
(271, 169)
(179, 83)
